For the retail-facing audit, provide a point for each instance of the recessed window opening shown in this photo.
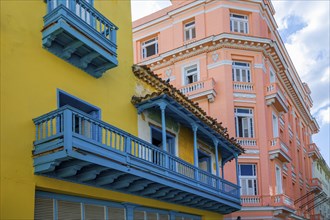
(244, 125)
(149, 48)
(157, 140)
(239, 23)
(190, 74)
(189, 30)
(248, 179)
(67, 99)
(241, 72)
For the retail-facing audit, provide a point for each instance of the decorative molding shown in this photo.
(220, 63)
(244, 95)
(245, 101)
(252, 151)
(249, 157)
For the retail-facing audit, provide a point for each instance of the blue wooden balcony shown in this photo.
(76, 32)
(71, 145)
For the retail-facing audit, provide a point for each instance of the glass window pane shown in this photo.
(246, 170)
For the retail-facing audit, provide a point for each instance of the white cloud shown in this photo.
(141, 8)
(324, 116)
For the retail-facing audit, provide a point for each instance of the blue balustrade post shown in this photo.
(222, 172)
(67, 130)
(113, 35)
(195, 128)
(172, 215)
(237, 175)
(162, 108)
(128, 149)
(72, 6)
(216, 142)
(129, 209)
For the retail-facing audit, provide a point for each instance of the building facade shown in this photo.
(83, 136)
(321, 184)
(229, 58)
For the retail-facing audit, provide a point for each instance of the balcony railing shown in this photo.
(315, 183)
(203, 88)
(251, 200)
(278, 149)
(75, 31)
(282, 200)
(243, 86)
(249, 142)
(274, 96)
(68, 135)
(313, 151)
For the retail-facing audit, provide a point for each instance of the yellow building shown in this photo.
(71, 111)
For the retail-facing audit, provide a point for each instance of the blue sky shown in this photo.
(304, 27)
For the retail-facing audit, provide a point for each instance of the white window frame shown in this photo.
(272, 76)
(247, 122)
(189, 30)
(242, 22)
(148, 43)
(278, 179)
(245, 181)
(241, 72)
(188, 67)
(275, 125)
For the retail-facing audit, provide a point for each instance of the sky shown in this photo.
(304, 28)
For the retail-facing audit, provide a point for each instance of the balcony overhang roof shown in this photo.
(184, 111)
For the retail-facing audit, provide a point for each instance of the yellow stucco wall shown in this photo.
(30, 77)
(186, 145)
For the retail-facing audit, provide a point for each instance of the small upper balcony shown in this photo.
(313, 152)
(279, 150)
(200, 89)
(244, 87)
(316, 184)
(275, 97)
(285, 203)
(72, 145)
(79, 34)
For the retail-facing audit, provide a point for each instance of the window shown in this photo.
(156, 140)
(204, 161)
(191, 74)
(272, 76)
(248, 179)
(278, 175)
(275, 125)
(239, 23)
(149, 48)
(50, 206)
(189, 30)
(244, 122)
(241, 72)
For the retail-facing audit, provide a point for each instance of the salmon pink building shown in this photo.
(229, 58)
